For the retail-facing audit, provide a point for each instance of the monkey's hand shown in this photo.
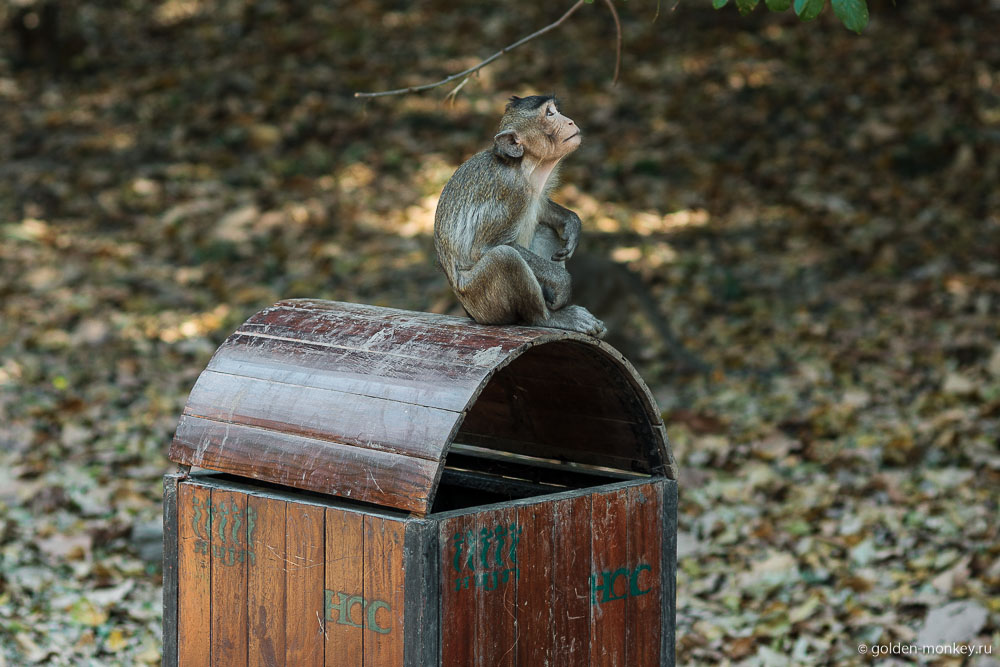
(567, 224)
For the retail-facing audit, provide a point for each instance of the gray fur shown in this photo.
(502, 242)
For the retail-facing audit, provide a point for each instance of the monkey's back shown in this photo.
(480, 207)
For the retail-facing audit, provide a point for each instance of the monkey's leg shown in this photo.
(551, 275)
(501, 289)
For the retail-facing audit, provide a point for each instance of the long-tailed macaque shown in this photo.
(503, 244)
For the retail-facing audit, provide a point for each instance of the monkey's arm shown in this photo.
(551, 275)
(566, 224)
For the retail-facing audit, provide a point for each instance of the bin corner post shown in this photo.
(170, 568)
(421, 631)
(669, 574)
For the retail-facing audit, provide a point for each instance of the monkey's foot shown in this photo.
(575, 318)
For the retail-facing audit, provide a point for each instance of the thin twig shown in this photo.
(618, 45)
(428, 86)
(450, 97)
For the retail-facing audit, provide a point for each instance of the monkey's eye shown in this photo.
(551, 111)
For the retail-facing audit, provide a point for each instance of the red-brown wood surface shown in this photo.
(383, 592)
(609, 581)
(194, 575)
(499, 538)
(364, 402)
(266, 581)
(305, 559)
(536, 613)
(344, 582)
(570, 581)
(643, 610)
(229, 578)
(458, 592)
(352, 472)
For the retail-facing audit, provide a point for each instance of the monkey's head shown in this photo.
(534, 126)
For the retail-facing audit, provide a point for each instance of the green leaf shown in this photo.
(778, 5)
(719, 4)
(746, 6)
(852, 13)
(807, 10)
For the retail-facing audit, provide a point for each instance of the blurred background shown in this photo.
(791, 229)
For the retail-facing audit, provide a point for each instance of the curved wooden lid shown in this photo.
(364, 402)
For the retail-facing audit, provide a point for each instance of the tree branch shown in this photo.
(618, 45)
(551, 26)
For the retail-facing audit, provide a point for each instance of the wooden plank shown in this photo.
(421, 610)
(266, 581)
(643, 608)
(500, 541)
(668, 599)
(194, 575)
(536, 643)
(609, 581)
(563, 451)
(230, 554)
(457, 537)
(422, 381)
(341, 470)
(344, 587)
(321, 414)
(383, 592)
(170, 541)
(571, 542)
(413, 335)
(305, 557)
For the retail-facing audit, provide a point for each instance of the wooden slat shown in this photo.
(570, 602)
(344, 581)
(458, 594)
(194, 575)
(536, 643)
(383, 592)
(643, 608)
(405, 336)
(562, 452)
(500, 541)
(609, 555)
(305, 557)
(322, 414)
(229, 578)
(266, 581)
(421, 381)
(170, 540)
(342, 470)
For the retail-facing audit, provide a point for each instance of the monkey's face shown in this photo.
(562, 132)
(535, 126)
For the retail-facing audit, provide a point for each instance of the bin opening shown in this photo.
(475, 476)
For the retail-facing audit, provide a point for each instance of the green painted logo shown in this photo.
(230, 524)
(604, 583)
(342, 604)
(485, 559)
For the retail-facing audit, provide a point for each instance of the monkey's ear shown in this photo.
(508, 143)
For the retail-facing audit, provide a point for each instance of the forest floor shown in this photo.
(816, 214)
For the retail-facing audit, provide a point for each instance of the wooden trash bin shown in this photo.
(383, 487)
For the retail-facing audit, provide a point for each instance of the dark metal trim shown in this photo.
(170, 547)
(668, 572)
(421, 597)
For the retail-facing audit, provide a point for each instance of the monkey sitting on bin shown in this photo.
(503, 244)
